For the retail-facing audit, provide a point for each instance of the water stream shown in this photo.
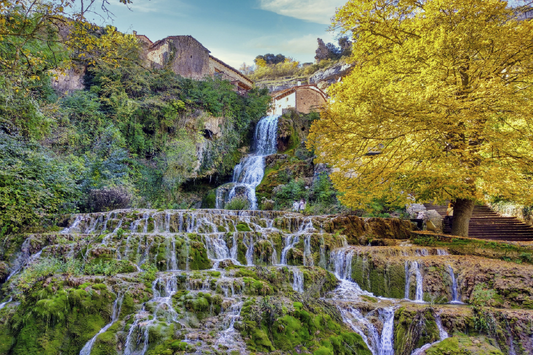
(248, 174)
(117, 306)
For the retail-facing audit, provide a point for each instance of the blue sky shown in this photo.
(235, 31)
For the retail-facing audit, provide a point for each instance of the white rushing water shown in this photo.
(230, 338)
(297, 280)
(387, 334)
(308, 257)
(455, 293)
(378, 344)
(117, 306)
(411, 268)
(290, 242)
(250, 171)
(2, 305)
(443, 334)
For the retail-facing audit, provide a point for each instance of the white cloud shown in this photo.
(319, 11)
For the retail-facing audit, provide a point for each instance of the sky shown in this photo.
(235, 31)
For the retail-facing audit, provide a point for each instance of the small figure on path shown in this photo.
(302, 205)
(295, 206)
(448, 220)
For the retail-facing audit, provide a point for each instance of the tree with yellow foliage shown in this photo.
(439, 105)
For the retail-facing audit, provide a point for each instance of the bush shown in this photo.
(108, 199)
(35, 186)
(238, 203)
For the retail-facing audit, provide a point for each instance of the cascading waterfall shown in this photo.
(297, 280)
(387, 334)
(228, 337)
(2, 305)
(308, 258)
(175, 232)
(455, 293)
(419, 297)
(163, 288)
(342, 263)
(249, 250)
(378, 344)
(250, 171)
(290, 242)
(117, 307)
(443, 334)
(410, 268)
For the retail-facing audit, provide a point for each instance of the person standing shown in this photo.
(448, 220)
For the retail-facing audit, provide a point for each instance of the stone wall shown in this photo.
(183, 54)
(308, 100)
(68, 81)
(226, 72)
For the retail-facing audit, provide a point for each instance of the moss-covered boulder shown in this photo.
(459, 345)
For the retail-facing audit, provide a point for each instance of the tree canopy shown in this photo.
(439, 105)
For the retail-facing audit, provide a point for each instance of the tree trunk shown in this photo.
(462, 212)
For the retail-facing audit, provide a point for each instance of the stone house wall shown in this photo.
(304, 99)
(308, 100)
(226, 72)
(183, 54)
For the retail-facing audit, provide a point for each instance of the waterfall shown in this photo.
(455, 293)
(378, 345)
(342, 263)
(443, 334)
(387, 335)
(407, 281)
(290, 242)
(414, 266)
(229, 337)
(23, 259)
(2, 305)
(297, 280)
(442, 252)
(308, 257)
(250, 171)
(172, 262)
(419, 297)
(117, 306)
(249, 250)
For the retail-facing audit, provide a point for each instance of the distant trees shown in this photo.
(269, 58)
(331, 51)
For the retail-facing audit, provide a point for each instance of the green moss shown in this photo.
(308, 329)
(243, 227)
(464, 345)
(413, 329)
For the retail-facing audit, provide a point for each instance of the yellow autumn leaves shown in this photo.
(443, 91)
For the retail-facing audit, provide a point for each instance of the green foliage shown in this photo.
(49, 266)
(238, 203)
(134, 128)
(35, 186)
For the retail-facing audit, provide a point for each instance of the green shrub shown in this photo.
(238, 203)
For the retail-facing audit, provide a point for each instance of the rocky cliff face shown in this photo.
(184, 281)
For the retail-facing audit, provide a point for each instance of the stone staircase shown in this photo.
(487, 224)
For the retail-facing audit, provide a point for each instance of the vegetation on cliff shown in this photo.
(129, 139)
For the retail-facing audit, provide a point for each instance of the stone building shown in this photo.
(302, 98)
(187, 57)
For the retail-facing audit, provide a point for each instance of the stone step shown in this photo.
(487, 224)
